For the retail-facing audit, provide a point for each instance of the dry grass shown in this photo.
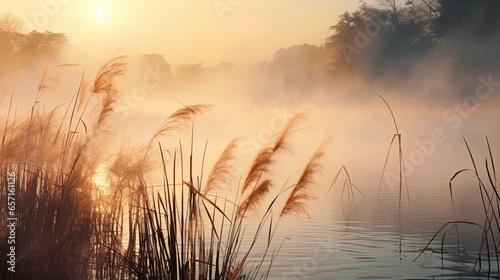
(266, 156)
(490, 229)
(252, 200)
(223, 169)
(73, 227)
(348, 187)
(402, 172)
(295, 204)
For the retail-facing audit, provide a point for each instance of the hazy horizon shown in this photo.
(129, 125)
(184, 32)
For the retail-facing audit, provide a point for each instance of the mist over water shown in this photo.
(439, 77)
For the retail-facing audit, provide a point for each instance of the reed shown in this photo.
(490, 229)
(74, 225)
(223, 168)
(348, 187)
(184, 234)
(256, 181)
(402, 172)
(53, 197)
(302, 190)
(266, 156)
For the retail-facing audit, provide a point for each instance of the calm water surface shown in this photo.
(372, 237)
(369, 239)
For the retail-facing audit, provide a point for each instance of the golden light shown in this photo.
(101, 182)
(99, 12)
(101, 192)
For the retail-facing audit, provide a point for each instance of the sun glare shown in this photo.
(101, 181)
(99, 12)
(101, 192)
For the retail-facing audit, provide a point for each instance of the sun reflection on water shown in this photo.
(102, 190)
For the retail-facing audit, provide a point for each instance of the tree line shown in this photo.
(386, 41)
(396, 34)
(19, 49)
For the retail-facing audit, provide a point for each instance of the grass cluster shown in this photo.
(73, 225)
(489, 248)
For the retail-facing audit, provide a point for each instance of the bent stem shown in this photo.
(402, 172)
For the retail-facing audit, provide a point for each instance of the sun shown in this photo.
(99, 12)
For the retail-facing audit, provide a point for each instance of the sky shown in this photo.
(189, 31)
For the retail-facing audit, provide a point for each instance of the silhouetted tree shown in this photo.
(409, 33)
(155, 62)
(465, 18)
(350, 40)
(298, 58)
(19, 50)
(376, 39)
(304, 82)
(10, 44)
(11, 40)
(40, 46)
(10, 23)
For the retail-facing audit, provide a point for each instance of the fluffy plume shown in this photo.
(252, 201)
(113, 68)
(104, 83)
(107, 109)
(261, 165)
(179, 118)
(265, 157)
(295, 204)
(221, 172)
(281, 142)
(50, 79)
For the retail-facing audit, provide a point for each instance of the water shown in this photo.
(373, 237)
(368, 239)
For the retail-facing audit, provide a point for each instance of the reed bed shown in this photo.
(73, 223)
(489, 250)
